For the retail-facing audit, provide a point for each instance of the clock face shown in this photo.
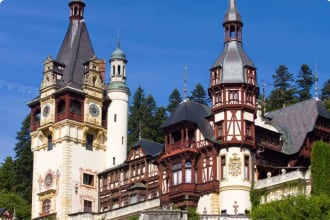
(48, 179)
(46, 110)
(94, 110)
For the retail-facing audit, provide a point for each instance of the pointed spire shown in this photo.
(140, 132)
(316, 78)
(185, 89)
(232, 13)
(118, 39)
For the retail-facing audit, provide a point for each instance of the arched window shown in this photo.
(46, 206)
(113, 70)
(188, 172)
(118, 67)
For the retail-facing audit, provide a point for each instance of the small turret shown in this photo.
(77, 9)
(118, 93)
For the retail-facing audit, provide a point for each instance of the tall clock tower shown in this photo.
(68, 125)
(233, 89)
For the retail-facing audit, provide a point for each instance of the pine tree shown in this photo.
(305, 82)
(135, 116)
(24, 161)
(7, 175)
(199, 95)
(284, 92)
(325, 94)
(144, 118)
(174, 100)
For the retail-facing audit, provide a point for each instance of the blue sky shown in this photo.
(159, 37)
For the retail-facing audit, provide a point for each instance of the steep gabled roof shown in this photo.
(150, 148)
(192, 112)
(76, 50)
(296, 121)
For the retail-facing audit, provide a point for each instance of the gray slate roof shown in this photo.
(232, 60)
(296, 121)
(76, 50)
(192, 112)
(150, 148)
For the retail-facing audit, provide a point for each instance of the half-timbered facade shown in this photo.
(188, 165)
(132, 182)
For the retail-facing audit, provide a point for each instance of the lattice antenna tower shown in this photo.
(185, 88)
(316, 78)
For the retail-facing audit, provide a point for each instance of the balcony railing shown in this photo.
(282, 178)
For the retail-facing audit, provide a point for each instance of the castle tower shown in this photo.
(118, 93)
(233, 89)
(68, 133)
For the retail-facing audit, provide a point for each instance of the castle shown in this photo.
(211, 157)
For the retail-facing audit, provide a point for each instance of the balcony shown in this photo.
(73, 116)
(282, 178)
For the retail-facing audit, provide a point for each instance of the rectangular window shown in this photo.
(50, 143)
(233, 97)
(177, 174)
(87, 206)
(219, 131)
(223, 167)
(246, 167)
(89, 142)
(133, 199)
(88, 179)
(218, 98)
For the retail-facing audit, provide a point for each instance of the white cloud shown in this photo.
(19, 87)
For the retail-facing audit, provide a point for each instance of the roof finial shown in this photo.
(185, 89)
(316, 78)
(118, 39)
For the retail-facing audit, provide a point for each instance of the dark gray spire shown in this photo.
(232, 13)
(76, 48)
(233, 59)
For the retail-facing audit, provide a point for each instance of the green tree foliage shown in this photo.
(284, 92)
(16, 175)
(199, 95)
(174, 100)
(295, 208)
(145, 118)
(24, 161)
(320, 166)
(8, 175)
(193, 214)
(325, 94)
(13, 201)
(305, 82)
